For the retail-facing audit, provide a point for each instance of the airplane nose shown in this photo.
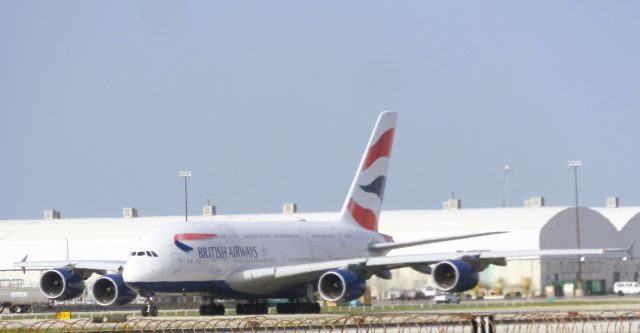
(131, 272)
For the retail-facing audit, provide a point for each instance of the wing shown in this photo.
(267, 279)
(397, 245)
(97, 266)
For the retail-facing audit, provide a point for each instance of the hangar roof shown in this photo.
(524, 227)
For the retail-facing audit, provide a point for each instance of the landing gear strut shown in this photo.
(150, 308)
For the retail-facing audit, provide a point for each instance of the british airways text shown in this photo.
(225, 252)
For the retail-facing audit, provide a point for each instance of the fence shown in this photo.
(379, 323)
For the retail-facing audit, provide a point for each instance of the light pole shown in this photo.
(185, 175)
(575, 164)
(507, 171)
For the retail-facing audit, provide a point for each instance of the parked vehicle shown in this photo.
(626, 287)
(394, 294)
(446, 298)
(20, 300)
(409, 294)
(427, 292)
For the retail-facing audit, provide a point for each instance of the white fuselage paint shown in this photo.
(239, 246)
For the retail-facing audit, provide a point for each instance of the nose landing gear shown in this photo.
(150, 308)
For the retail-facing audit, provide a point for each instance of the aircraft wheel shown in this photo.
(283, 308)
(153, 311)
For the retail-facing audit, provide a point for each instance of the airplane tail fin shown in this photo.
(364, 200)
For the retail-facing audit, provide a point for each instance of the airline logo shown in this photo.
(364, 211)
(179, 239)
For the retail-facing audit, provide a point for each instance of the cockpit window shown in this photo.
(143, 254)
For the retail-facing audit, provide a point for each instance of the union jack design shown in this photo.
(179, 238)
(364, 200)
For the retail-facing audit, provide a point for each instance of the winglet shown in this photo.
(24, 270)
(629, 250)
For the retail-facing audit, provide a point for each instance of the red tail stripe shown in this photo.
(366, 218)
(193, 236)
(381, 148)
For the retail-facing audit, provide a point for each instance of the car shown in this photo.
(626, 287)
(409, 294)
(446, 298)
(394, 294)
(427, 292)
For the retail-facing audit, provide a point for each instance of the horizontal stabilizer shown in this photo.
(397, 245)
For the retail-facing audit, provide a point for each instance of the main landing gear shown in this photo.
(150, 308)
(300, 305)
(211, 309)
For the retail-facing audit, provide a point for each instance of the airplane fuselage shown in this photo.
(201, 257)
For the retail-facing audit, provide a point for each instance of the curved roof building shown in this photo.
(528, 229)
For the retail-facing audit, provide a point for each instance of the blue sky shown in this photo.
(103, 102)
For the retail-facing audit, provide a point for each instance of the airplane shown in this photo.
(261, 260)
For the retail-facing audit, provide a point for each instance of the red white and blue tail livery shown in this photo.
(364, 200)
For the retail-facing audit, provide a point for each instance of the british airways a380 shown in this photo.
(295, 260)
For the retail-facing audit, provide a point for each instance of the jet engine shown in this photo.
(455, 276)
(341, 285)
(61, 284)
(111, 290)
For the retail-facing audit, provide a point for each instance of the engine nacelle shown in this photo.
(455, 276)
(111, 290)
(341, 285)
(61, 284)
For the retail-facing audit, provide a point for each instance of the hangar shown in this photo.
(529, 228)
